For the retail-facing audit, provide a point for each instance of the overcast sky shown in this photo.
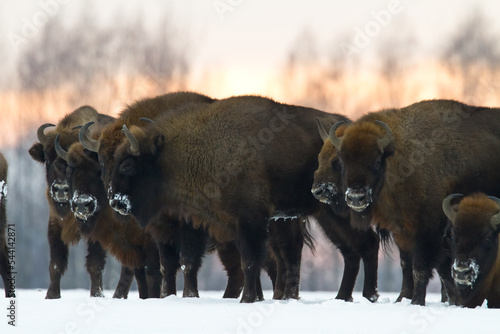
(253, 37)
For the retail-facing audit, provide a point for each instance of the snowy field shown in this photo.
(316, 312)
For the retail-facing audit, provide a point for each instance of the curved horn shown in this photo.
(59, 150)
(388, 135)
(77, 127)
(333, 137)
(147, 120)
(321, 129)
(134, 144)
(495, 220)
(39, 133)
(89, 143)
(447, 209)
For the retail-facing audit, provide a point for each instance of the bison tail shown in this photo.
(386, 241)
(308, 238)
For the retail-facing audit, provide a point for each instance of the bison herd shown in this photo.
(179, 175)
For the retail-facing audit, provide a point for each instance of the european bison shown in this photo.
(62, 228)
(473, 237)
(399, 164)
(229, 166)
(4, 253)
(133, 247)
(334, 221)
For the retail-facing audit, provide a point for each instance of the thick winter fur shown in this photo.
(436, 147)
(4, 255)
(62, 229)
(334, 220)
(474, 240)
(228, 166)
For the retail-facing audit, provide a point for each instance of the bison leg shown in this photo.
(270, 266)
(153, 273)
(449, 291)
(407, 269)
(95, 261)
(425, 253)
(4, 265)
(231, 260)
(369, 254)
(123, 286)
(142, 284)
(169, 264)
(252, 236)
(193, 246)
(351, 270)
(58, 260)
(287, 239)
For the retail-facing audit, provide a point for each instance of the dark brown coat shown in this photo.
(4, 253)
(399, 164)
(229, 166)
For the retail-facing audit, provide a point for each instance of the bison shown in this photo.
(230, 166)
(4, 252)
(353, 244)
(62, 227)
(133, 247)
(473, 238)
(397, 165)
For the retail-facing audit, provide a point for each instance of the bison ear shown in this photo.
(36, 152)
(158, 144)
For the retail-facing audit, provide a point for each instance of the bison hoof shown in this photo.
(372, 298)
(51, 295)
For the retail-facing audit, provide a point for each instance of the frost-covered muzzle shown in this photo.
(59, 191)
(83, 206)
(325, 192)
(3, 191)
(121, 204)
(465, 273)
(358, 199)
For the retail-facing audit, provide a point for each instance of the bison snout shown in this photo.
(59, 191)
(324, 192)
(464, 274)
(83, 206)
(358, 199)
(121, 204)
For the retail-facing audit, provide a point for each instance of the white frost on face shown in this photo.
(472, 266)
(3, 190)
(280, 216)
(360, 208)
(58, 185)
(83, 199)
(123, 199)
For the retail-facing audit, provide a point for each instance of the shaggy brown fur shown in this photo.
(403, 183)
(228, 166)
(62, 229)
(473, 236)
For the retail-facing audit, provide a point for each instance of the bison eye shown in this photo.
(377, 165)
(127, 167)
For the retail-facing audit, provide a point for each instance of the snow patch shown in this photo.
(3, 190)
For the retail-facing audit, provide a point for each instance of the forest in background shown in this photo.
(65, 67)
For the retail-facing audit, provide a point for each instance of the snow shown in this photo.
(315, 312)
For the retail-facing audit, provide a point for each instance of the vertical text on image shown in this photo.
(11, 287)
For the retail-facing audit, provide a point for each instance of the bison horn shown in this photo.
(89, 143)
(388, 135)
(447, 209)
(59, 150)
(333, 137)
(147, 120)
(495, 220)
(134, 144)
(321, 129)
(39, 133)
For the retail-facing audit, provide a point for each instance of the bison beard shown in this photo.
(272, 147)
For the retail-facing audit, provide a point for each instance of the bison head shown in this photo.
(362, 153)
(55, 168)
(327, 178)
(136, 186)
(84, 179)
(473, 238)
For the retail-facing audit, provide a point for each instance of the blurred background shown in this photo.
(342, 56)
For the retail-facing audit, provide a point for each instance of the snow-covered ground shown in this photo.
(316, 312)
